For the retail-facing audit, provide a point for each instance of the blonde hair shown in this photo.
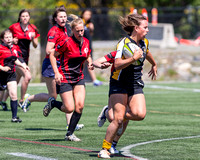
(75, 22)
(130, 21)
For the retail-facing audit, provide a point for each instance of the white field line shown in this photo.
(30, 156)
(172, 88)
(126, 150)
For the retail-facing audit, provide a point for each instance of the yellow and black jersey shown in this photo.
(133, 72)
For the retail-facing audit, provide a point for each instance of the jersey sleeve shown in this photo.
(36, 31)
(62, 46)
(110, 57)
(120, 46)
(52, 36)
(147, 44)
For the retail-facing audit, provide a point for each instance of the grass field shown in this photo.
(170, 131)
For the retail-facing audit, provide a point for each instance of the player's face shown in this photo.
(78, 31)
(24, 18)
(87, 15)
(142, 29)
(61, 19)
(8, 38)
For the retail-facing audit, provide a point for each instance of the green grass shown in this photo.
(170, 114)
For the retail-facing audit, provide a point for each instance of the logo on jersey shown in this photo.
(86, 50)
(15, 52)
(51, 37)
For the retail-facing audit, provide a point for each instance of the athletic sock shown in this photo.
(73, 122)
(114, 143)
(57, 104)
(106, 145)
(13, 105)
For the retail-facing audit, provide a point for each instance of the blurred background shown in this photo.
(183, 15)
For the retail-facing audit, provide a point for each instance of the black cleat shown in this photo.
(16, 120)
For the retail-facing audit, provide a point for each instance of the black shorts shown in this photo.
(64, 87)
(5, 78)
(116, 87)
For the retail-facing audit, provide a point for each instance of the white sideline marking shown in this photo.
(126, 150)
(172, 88)
(30, 156)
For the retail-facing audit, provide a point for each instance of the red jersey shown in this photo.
(24, 37)
(110, 57)
(72, 57)
(8, 56)
(56, 34)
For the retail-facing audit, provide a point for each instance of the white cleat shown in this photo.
(102, 117)
(72, 138)
(104, 154)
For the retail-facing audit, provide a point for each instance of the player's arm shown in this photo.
(153, 71)
(52, 56)
(49, 47)
(101, 63)
(89, 62)
(35, 42)
(4, 68)
(23, 65)
(123, 63)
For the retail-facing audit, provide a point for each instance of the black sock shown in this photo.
(73, 122)
(13, 105)
(114, 143)
(57, 104)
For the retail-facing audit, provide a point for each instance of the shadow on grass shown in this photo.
(52, 140)
(95, 153)
(43, 129)
(6, 110)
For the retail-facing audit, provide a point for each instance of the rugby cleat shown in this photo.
(97, 83)
(102, 117)
(48, 107)
(4, 106)
(113, 150)
(16, 120)
(78, 127)
(72, 138)
(104, 154)
(26, 103)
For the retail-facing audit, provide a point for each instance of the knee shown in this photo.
(27, 78)
(118, 121)
(13, 96)
(79, 108)
(67, 109)
(110, 117)
(140, 115)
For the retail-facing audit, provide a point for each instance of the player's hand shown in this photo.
(58, 78)
(153, 72)
(105, 65)
(32, 35)
(90, 66)
(6, 68)
(138, 54)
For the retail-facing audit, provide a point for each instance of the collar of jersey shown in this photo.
(4, 44)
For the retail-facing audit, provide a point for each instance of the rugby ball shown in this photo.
(128, 51)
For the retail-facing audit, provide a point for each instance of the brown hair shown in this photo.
(20, 13)
(58, 9)
(130, 21)
(4, 32)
